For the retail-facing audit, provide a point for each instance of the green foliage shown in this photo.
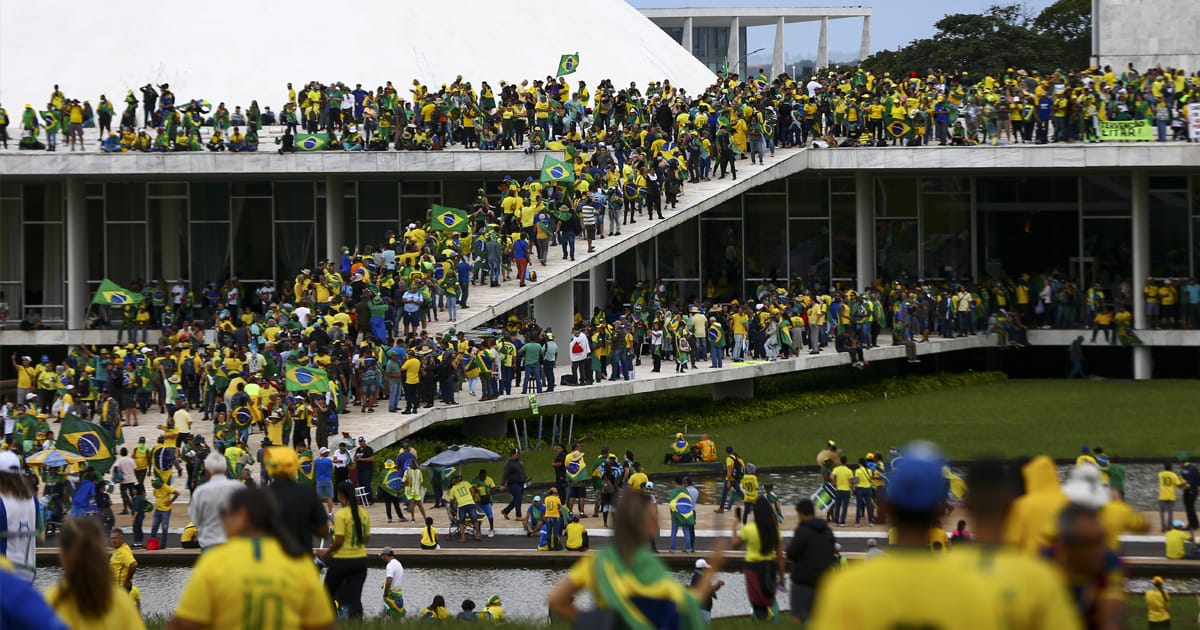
(1002, 37)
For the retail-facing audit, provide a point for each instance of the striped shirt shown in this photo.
(588, 215)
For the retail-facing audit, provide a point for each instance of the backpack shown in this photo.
(189, 367)
(739, 467)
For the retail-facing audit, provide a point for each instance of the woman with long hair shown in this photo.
(18, 500)
(259, 577)
(631, 586)
(436, 611)
(764, 558)
(87, 597)
(346, 557)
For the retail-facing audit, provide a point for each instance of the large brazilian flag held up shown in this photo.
(312, 141)
(557, 171)
(302, 378)
(568, 64)
(90, 441)
(111, 294)
(898, 128)
(448, 219)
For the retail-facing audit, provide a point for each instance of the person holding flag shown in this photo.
(683, 515)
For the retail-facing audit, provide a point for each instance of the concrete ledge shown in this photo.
(267, 163)
(1152, 338)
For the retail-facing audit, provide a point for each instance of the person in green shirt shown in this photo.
(1116, 476)
(532, 352)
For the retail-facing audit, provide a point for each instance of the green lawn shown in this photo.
(1006, 419)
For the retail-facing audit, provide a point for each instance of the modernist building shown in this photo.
(1125, 32)
(717, 36)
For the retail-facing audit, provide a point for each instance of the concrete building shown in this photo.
(1108, 213)
(717, 36)
(1145, 34)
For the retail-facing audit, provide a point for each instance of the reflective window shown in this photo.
(808, 249)
(722, 261)
(946, 236)
(766, 236)
(1169, 217)
(677, 253)
(895, 197)
(841, 224)
(808, 197)
(896, 247)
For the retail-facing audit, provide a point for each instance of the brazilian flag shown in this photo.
(575, 467)
(111, 294)
(393, 482)
(716, 335)
(90, 441)
(897, 128)
(303, 379)
(51, 121)
(557, 171)
(162, 461)
(306, 475)
(683, 510)
(448, 219)
(567, 64)
(242, 417)
(312, 141)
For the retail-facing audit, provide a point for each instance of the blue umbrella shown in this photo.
(458, 455)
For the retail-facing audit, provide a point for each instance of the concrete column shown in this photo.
(556, 309)
(864, 228)
(777, 57)
(1143, 367)
(733, 54)
(77, 253)
(687, 35)
(864, 46)
(823, 45)
(597, 288)
(335, 214)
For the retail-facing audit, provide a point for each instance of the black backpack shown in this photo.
(739, 467)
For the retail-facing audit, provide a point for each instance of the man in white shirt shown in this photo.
(341, 464)
(393, 594)
(302, 313)
(580, 350)
(128, 475)
(209, 500)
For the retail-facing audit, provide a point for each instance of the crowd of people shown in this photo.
(846, 107)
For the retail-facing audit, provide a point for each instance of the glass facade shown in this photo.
(794, 229)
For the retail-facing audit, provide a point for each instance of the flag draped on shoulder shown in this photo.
(568, 64)
(162, 461)
(112, 294)
(554, 170)
(446, 219)
(306, 475)
(90, 441)
(311, 141)
(302, 378)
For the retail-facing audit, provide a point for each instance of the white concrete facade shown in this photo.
(1146, 34)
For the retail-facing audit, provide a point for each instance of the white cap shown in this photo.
(70, 387)
(30, 396)
(324, 449)
(702, 564)
(649, 485)
(9, 462)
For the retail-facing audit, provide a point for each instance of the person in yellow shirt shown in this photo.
(259, 576)
(1176, 541)
(843, 485)
(749, 487)
(576, 535)
(1168, 481)
(863, 501)
(463, 495)
(1158, 605)
(346, 556)
(87, 596)
(740, 322)
(1034, 595)
(412, 380)
(924, 590)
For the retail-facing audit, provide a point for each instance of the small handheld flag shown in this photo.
(90, 441)
(568, 64)
(557, 171)
(303, 379)
(311, 141)
(446, 219)
(112, 294)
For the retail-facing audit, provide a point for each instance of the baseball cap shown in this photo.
(324, 449)
(9, 462)
(1157, 579)
(281, 460)
(702, 564)
(1178, 525)
(648, 486)
(537, 498)
(386, 551)
(918, 485)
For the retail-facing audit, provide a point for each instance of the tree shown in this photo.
(1002, 37)
(1069, 24)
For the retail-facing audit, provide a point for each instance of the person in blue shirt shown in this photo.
(464, 280)
(1042, 116)
(323, 478)
(941, 117)
(21, 606)
(83, 500)
(521, 256)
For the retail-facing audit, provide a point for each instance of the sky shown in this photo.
(894, 23)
